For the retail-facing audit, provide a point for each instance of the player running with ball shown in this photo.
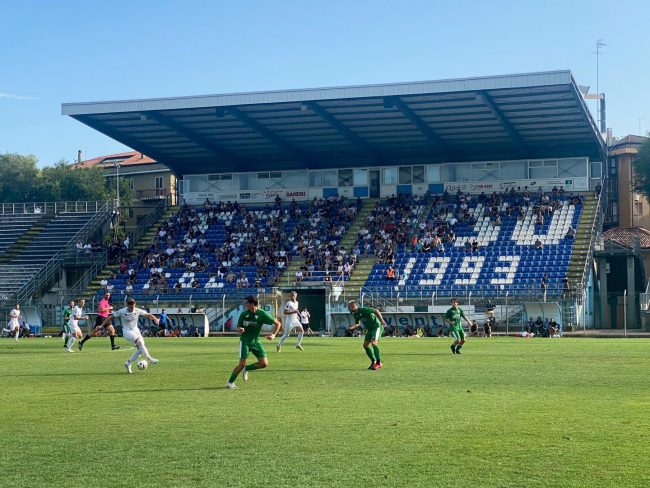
(453, 316)
(130, 331)
(374, 324)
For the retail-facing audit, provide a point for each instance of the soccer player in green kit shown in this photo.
(374, 323)
(250, 325)
(453, 316)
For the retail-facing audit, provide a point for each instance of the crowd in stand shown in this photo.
(265, 239)
(437, 230)
(388, 227)
(317, 240)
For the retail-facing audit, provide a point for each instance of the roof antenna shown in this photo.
(599, 45)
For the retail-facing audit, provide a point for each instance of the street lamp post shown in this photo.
(117, 179)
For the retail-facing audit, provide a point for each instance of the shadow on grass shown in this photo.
(26, 375)
(156, 390)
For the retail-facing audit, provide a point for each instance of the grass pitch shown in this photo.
(506, 413)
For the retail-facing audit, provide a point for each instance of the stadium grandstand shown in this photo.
(398, 195)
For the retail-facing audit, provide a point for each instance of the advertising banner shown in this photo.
(547, 184)
(247, 196)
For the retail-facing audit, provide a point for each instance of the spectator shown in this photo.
(570, 233)
(487, 329)
(390, 274)
(473, 328)
(566, 287)
(553, 328)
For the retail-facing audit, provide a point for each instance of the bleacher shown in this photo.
(253, 243)
(32, 239)
(14, 226)
(55, 236)
(503, 258)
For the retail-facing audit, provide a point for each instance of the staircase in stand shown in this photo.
(142, 243)
(582, 241)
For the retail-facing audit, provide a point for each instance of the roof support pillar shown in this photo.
(353, 138)
(428, 132)
(505, 123)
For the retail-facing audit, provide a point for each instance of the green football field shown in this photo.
(508, 412)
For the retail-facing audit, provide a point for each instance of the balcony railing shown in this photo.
(151, 194)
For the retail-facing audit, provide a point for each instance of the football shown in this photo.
(143, 364)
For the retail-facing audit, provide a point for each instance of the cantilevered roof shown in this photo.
(534, 115)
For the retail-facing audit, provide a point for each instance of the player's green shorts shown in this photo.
(256, 348)
(66, 328)
(457, 334)
(374, 333)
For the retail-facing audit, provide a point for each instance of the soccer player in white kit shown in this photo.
(291, 321)
(74, 331)
(130, 331)
(13, 326)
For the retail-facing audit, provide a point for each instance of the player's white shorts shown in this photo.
(75, 330)
(132, 335)
(289, 327)
(13, 324)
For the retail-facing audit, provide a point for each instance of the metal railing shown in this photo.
(644, 298)
(53, 266)
(151, 194)
(316, 278)
(75, 291)
(596, 228)
(150, 219)
(422, 294)
(50, 207)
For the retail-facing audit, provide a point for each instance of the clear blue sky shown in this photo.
(77, 51)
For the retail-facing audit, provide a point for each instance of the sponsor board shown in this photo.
(547, 184)
(198, 198)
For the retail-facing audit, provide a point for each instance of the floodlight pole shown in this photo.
(117, 184)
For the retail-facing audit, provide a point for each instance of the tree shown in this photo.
(642, 170)
(22, 181)
(17, 177)
(62, 182)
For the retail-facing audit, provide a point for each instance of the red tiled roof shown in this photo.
(131, 158)
(625, 236)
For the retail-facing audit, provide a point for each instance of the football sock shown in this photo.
(458, 347)
(369, 353)
(251, 367)
(112, 340)
(300, 334)
(143, 350)
(85, 339)
(134, 357)
(71, 341)
(233, 377)
(17, 334)
(65, 339)
(283, 338)
(376, 349)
